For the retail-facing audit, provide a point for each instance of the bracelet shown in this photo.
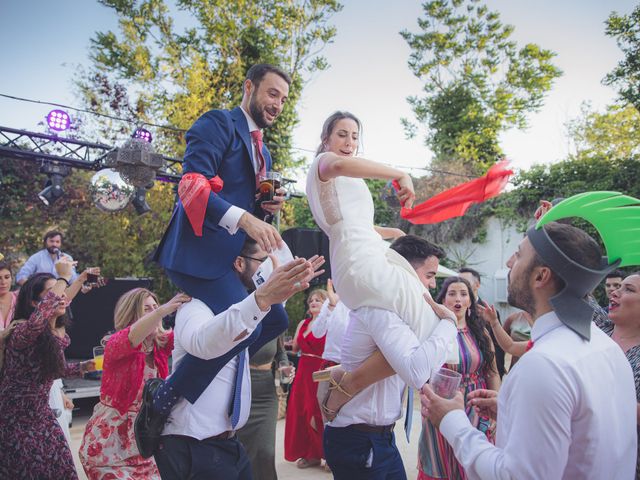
(64, 280)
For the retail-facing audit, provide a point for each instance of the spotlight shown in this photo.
(140, 201)
(58, 120)
(143, 134)
(53, 188)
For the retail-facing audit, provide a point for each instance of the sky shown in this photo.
(45, 43)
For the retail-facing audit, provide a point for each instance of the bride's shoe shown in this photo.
(330, 413)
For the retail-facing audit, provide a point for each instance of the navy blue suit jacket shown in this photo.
(218, 143)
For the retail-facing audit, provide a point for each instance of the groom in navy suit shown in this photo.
(224, 158)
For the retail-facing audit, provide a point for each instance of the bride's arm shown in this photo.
(331, 166)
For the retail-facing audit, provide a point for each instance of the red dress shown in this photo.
(303, 428)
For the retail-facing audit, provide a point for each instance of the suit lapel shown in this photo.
(242, 127)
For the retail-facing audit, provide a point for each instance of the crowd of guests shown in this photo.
(33, 338)
(361, 347)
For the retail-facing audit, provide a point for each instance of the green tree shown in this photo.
(150, 71)
(477, 81)
(614, 133)
(626, 76)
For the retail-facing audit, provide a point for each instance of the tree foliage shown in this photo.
(626, 75)
(152, 71)
(477, 81)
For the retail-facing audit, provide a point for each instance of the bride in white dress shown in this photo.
(364, 270)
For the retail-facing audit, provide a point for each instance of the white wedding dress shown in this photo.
(364, 270)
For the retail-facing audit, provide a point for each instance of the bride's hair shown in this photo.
(330, 123)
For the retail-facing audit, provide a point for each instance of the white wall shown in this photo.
(489, 258)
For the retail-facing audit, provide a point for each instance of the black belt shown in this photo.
(228, 435)
(363, 427)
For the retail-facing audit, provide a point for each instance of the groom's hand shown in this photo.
(264, 234)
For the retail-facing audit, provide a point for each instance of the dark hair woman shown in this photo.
(33, 444)
(478, 369)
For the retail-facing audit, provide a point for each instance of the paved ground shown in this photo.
(286, 470)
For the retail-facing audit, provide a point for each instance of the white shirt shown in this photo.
(370, 329)
(567, 410)
(333, 324)
(205, 335)
(230, 219)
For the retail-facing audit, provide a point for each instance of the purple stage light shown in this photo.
(143, 134)
(58, 120)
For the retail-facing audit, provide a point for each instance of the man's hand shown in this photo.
(442, 312)
(275, 205)
(264, 234)
(543, 208)
(87, 366)
(435, 407)
(287, 280)
(488, 313)
(484, 402)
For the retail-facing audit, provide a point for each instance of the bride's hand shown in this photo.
(406, 194)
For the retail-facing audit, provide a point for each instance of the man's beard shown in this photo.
(257, 113)
(53, 250)
(519, 295)
(247, 279)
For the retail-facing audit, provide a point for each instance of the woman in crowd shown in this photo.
(33, 444)
(138, 351)
(478, 369)
(8, 300)
(623, 326)
(304, 427)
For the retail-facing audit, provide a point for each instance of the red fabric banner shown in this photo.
(456, 201)
(194, 190)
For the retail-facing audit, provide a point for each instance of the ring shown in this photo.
(297, 285)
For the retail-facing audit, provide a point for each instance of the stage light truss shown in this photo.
(42, 148)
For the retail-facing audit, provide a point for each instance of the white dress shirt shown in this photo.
(567, 410)
(373, 329)
(205, 335)
(230, 219)
(333, 324)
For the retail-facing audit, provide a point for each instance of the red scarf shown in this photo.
(194, 190)
(457, 200)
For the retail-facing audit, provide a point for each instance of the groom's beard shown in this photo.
(53, 250)
(246, 278)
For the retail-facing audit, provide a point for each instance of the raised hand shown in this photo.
(284, 281)
(406, 194)
(64, 267)
(173, 304)
(331, 293)
(440, 310)
(264, 234)
(487, 313)
(543, 208)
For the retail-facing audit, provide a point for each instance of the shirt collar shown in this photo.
(252, 125)
(544, 324)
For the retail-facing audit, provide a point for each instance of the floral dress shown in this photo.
(435, 456)
(32, 444)
(108, 450)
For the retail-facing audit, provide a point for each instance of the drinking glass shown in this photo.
(285, 368)
(98, 357)
(445, 382)
(92, 276)
(269, 184)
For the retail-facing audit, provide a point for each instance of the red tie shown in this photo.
(256, 136)
(529, 345)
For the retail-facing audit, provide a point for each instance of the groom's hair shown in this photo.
(416, 250)
(257, 72)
